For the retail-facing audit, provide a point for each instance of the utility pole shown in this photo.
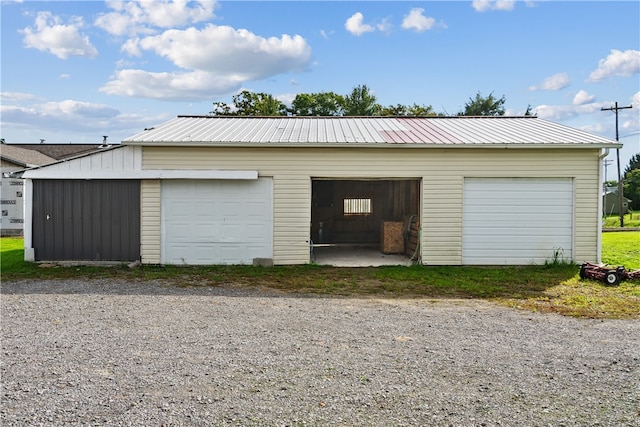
(606, 165)
(620, 195)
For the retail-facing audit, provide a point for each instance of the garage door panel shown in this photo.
(517, 220)
(216, 222)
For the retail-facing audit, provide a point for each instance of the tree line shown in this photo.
(630, 182)
(359, 102)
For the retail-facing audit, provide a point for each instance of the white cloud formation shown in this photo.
(582, 97)
(58, 115)
(71, 118)
(617, 63)
(62, 40)
(217, 60)
(16, 96)
(187, 86)
(142, 16)
(564, 112)
(416, 20)
(77, 109)
(635, 100)
(356, 26)
(227, 51)
(555, 82)
(484, 5)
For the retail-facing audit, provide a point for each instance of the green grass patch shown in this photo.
(631, 220)
(621, 248)
(555, 287)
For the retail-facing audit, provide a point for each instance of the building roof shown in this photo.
(23, 157)
(367, 131)
(60, 151)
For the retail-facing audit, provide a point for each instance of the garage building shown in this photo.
(232, 190)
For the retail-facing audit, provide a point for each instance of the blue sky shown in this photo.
(73, 71)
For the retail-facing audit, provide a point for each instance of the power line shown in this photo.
(620, 187)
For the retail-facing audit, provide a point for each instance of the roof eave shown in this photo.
(573, 145)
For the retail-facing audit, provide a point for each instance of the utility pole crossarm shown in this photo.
(620, 187)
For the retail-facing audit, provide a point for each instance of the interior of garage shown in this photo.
(366, 221)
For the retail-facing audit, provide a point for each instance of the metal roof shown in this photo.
(367, 131)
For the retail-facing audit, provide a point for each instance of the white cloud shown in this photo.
(142, 16)
(582, 97)
(224, 50)
(72, 119)
(216, 60)
(131, 47)
(384, 26)
(555, 82)
(416, 20)
(564, 112)
(63, 41)
(59, 115)
(356, 26)
(77, 109)
(189, 86)
(635, 100)
(16, 96)
(555, 112)
(64, 76)
(618, 63)
(484, 5)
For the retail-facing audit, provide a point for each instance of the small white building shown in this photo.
(13, 159)
(230, 190)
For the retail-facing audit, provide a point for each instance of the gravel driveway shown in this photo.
(116, 353)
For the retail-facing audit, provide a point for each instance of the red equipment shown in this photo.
(611, 276)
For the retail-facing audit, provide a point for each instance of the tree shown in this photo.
(361, 102)
(484, 106)
(317, 104)
(414, 110)
(634, 163)
(631, 182)
(528, 112)
(222, 109)
(251, 104)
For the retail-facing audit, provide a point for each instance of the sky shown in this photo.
(74, 71)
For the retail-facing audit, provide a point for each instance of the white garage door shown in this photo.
(210, 222)
(517, 221)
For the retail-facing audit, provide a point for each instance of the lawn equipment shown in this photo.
(611, 276)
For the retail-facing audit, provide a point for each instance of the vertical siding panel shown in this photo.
(291, 219)
(442, 220)
(150, 221)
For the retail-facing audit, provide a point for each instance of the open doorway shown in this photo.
(365, 222)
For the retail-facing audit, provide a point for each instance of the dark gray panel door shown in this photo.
(97, 220)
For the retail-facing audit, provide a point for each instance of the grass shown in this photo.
(551, 288)
(621, 248)
(631, 220)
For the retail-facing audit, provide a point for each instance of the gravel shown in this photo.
(104, 352)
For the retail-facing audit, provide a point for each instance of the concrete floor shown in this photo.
(352, 256)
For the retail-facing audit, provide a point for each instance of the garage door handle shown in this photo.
(48, 217)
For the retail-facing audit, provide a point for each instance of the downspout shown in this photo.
(600, 206)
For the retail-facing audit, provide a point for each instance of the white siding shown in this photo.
(150, 221)
(113, 163)
(442, 171)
